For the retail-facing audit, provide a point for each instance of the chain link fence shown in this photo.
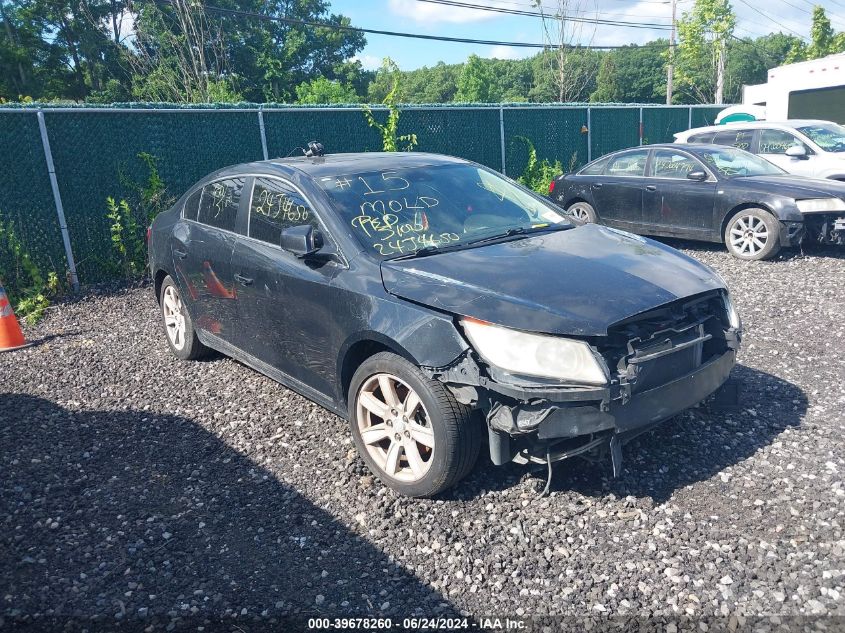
(95, 153)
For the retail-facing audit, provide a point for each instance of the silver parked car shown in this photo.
(804, 147)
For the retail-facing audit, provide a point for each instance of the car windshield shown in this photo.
(732, 163)
(395, 212)
(829, 136)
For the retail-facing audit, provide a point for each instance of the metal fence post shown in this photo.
(57, 197)
(502, 138)
(641, 126)
(589, 137)
(689, 121)
(261, 130)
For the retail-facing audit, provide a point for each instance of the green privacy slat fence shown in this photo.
(25, 197)
(95, 151)
(555, 133)
(613, 128)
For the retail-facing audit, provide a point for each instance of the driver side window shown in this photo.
(778, 141)
(275, 206)
(669, 164)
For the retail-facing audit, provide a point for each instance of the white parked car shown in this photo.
(804, 147)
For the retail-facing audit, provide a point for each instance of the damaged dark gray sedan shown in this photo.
(432, 302)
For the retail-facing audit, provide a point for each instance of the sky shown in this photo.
(754, 18)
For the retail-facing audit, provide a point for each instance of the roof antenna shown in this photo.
(314, 149)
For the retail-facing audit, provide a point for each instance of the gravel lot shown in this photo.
(136, 488)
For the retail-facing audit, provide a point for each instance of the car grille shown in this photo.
(656, 347)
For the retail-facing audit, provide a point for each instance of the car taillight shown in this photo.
(551, 186)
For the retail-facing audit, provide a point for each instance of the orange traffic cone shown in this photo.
(11, 336)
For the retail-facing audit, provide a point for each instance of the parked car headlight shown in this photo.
(733, 315)
(814, 205)
(534, 354)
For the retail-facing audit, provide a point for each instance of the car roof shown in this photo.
(338, 164)
(684, 146)
(791, 123)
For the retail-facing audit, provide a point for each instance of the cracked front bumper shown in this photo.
(570, 414)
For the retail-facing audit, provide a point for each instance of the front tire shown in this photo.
(753, 234)
(409, 429)
(178, 326)
(582, 211)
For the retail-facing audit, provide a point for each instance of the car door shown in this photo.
(773, 145)
(618, 192)
(202, 246)
(285, 304)
(672, 203)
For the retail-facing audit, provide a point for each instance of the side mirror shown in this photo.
(302, 240)
(697, 174)
(796, 151)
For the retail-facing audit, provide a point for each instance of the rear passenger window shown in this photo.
(189, 211)
(630, 164)
(218, 205)
(740, 139)
(276, 206)
(704, 137)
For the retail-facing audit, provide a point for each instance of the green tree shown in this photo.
(322, 90)
(475, 83)
(701, 56)
(609, 89)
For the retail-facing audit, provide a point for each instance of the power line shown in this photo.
(439, 38)
(751, 6)
(538, 14)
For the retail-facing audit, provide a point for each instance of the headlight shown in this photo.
(534, 354)
(816, 205)
(733, 315)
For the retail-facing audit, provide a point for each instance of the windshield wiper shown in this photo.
(425, 251)
(520, 230)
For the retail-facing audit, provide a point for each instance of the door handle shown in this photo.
(651, 188)
(244, 281)
(597, 185)
(180, 254)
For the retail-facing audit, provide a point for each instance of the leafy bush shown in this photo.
(29, 292)
(129, 218)
(538, 173)
(389, 130)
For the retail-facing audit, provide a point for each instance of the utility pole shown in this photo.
(670, 71)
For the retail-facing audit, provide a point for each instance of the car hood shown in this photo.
(795, 186)
(574, 282)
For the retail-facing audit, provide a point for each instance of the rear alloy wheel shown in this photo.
(753, 234)
(582, 211)
(178, 326)
(409, 429)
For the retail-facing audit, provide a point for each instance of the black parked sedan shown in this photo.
(705, 192)
(429, 301)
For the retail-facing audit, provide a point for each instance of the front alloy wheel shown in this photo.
(408, 428)
(753, 234)
(395, 428)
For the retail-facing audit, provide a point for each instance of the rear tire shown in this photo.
(753, 234)
(178, 326)
(582, 211)
(409, 429)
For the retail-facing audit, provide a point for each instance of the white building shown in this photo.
(807, 90)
